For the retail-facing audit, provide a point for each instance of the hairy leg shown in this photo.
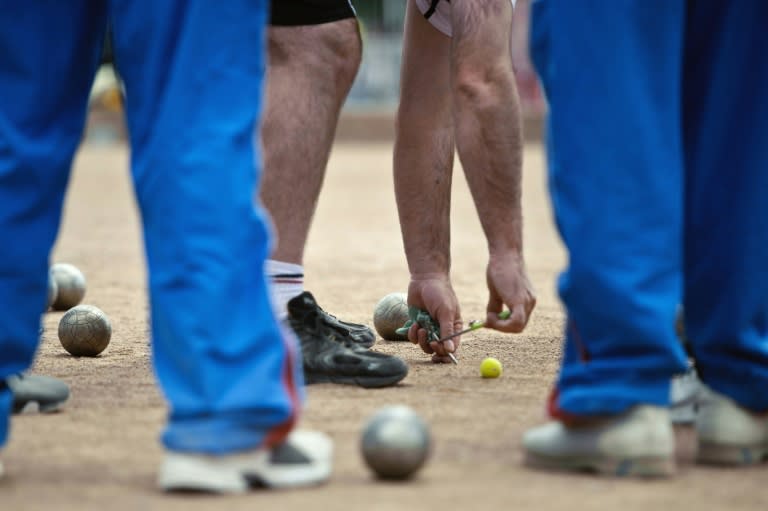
(311, 69)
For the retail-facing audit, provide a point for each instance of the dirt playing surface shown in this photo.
(102, 451)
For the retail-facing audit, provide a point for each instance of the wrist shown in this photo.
(430, 275)
(507, 238)
(505, 248)
(434, 266)
(506, 255)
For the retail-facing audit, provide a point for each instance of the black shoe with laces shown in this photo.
(359, 334)
(329, 358)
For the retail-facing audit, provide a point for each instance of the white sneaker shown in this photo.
(684, 397)
(304, 459)
(728, 433)
(637, 443)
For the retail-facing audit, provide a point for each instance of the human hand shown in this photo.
(434, 294)
(508, 285)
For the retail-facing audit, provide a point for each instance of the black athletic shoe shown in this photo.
(328, 358)
(360, 334)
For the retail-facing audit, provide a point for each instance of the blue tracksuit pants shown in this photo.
(658, 161)
(193, 74)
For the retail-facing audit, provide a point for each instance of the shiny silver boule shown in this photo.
(53, 290)
(70, 282)
(85, 331)
(395, 443)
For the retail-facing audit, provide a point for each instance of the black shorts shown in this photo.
(309, 12)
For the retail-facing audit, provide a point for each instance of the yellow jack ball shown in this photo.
(490, 368)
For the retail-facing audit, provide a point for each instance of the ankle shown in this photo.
(286, 282)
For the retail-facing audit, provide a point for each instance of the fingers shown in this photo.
(418, 335)
(530, 305)
(413, 333)
(432, 293)
(521, 304)
(448, 321)
(458, 326)
(443, 348)
(495, 306)
(516, 322)
(509, 286)
(493, 295)
(425, 341)
(437, 359)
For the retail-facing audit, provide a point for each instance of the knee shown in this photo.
(482, 85)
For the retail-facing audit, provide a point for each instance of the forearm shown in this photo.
(423, 168)
(424, 147)
(489, 141)
(487, 118)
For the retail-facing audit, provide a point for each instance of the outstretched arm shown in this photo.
(489, 140)
(423, 164)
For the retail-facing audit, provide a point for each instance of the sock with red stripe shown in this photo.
(286, 280)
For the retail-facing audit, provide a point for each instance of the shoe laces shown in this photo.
(312, 319)
(345, 332)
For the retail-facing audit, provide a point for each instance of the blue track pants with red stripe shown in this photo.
(658, 160)
(193, 74)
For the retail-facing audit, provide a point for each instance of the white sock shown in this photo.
(286, 280)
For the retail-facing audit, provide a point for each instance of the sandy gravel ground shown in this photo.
(102, 452)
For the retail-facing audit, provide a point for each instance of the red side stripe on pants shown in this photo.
(280, 432)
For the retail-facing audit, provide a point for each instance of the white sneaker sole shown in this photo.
(649, 467)
(733, 455)
(241, 472)
(197, 476)
(729, 434)
(180, 474)
(33, 407)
